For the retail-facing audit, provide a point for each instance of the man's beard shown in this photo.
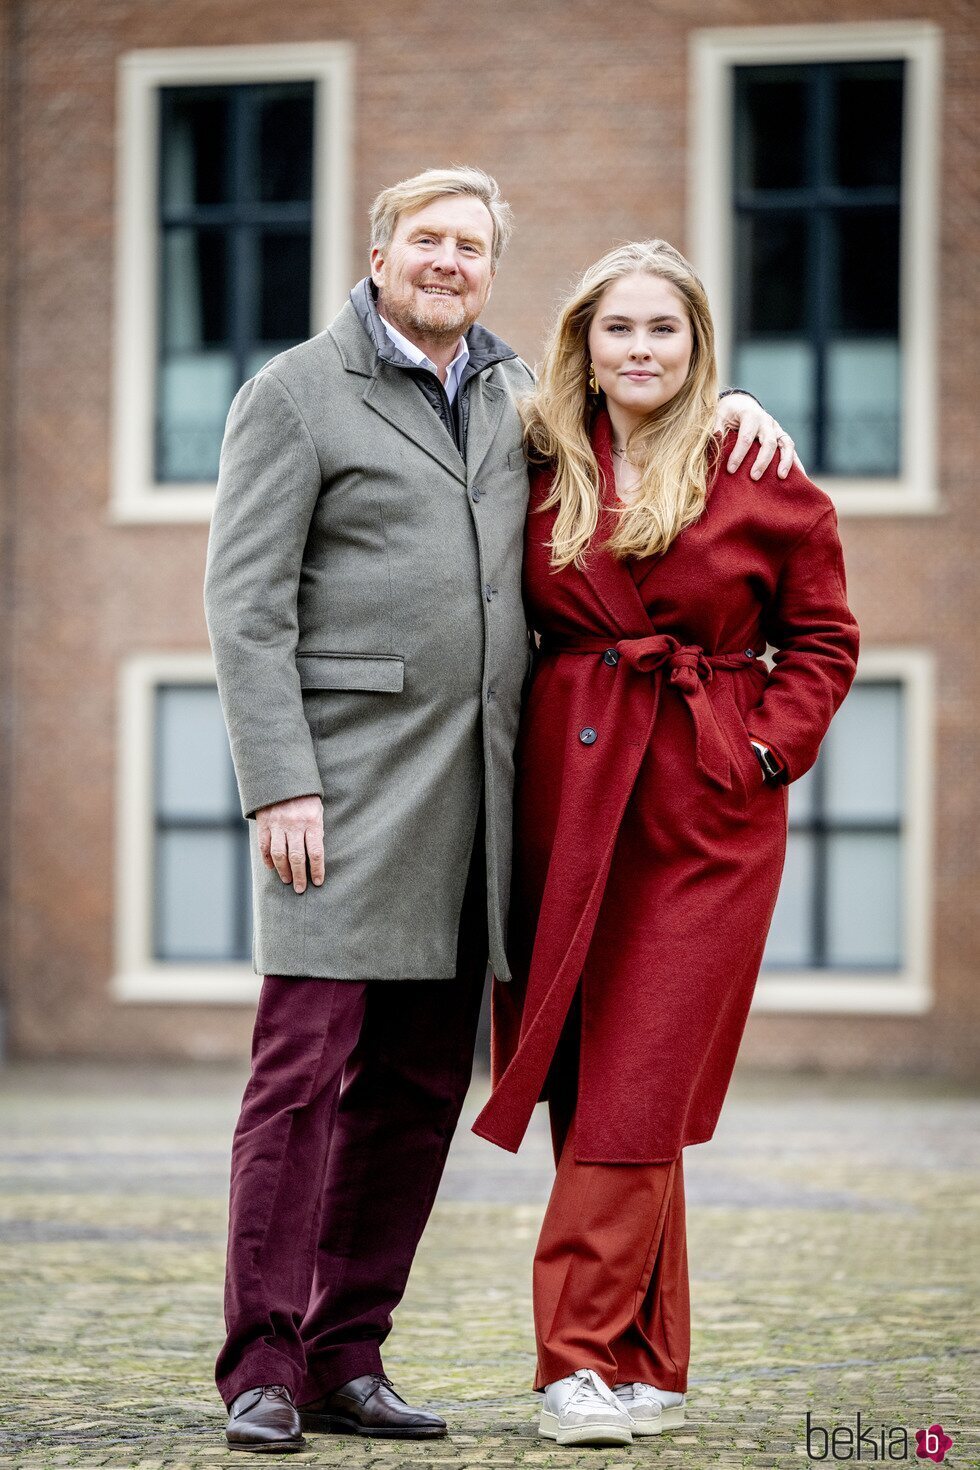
(449, 329)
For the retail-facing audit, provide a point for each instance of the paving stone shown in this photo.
(833, 1246)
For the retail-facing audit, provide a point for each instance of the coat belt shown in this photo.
(688, 668)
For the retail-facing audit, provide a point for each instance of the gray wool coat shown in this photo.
(363, 599)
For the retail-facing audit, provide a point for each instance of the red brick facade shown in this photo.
(581, 113)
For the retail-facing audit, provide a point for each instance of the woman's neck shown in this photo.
(623, 423)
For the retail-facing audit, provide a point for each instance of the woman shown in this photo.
(651, 812)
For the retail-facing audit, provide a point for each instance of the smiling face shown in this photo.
(640, 342)
(434, 278)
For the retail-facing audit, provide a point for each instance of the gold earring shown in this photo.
(593, 381)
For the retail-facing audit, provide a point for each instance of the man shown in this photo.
(363, 596)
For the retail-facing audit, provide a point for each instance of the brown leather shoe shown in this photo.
(370, 1406)
(264, 1419)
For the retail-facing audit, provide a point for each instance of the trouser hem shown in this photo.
(258, 1369)
(337, 1366)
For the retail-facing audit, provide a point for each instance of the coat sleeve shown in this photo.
(268, 483)
(816, 637)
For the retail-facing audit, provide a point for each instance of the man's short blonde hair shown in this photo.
(434, 183)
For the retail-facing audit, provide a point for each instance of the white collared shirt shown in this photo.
(414, 354)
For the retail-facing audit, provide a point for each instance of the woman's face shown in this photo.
(640, 341)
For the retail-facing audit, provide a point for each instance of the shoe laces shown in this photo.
(589, 1388)
(277, 1391)
(644, 1393)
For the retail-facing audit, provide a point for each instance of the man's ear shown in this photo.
(377, 266)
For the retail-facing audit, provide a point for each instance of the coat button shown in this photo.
(476, 495)
(611, 657)
(588, 736)
(750, 653)
(489, 592)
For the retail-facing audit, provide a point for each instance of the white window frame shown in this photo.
(907, 991)
(135, 495)
(713, 56)
(138, 975)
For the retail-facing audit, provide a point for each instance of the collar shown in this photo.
(415, 354)
(484, 348)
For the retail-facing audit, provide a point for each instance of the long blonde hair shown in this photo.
(673, 449)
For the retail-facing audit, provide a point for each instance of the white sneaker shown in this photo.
(580, 1409)
(649, 1407)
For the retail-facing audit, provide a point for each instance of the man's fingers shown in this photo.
(314, 846)
(279, 854)
(747, 431)
(787, 454)
(296, 847)
(265, 842)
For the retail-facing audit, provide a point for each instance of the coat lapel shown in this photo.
(393, 395)
(487, 402)
(610, 578)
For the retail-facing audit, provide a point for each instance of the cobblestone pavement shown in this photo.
(833, 1242)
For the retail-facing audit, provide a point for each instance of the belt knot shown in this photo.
(687, 663)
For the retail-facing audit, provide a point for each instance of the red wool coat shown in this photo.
(648, 848)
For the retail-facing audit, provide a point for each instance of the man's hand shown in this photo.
(739, 411)
(289, 833)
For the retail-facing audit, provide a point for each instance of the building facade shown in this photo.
(185, 194)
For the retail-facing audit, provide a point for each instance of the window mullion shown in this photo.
(241, 243)
(820, 247)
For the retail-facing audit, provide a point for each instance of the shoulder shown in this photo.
(792, 506)
(298, 366)
(515, 374)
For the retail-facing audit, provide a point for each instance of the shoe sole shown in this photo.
(283, 1447)
(333, 1424)
(596, 1434)
(642, 1430)
(673, 1418)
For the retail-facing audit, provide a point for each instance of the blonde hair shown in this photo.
(673, 449)
(421, 189)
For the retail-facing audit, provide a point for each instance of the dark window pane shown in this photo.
(868, 131)
(194, 146)
(284, 307)
(771, 113)
(770, 273)
(195, 264)
(283, 158)
(866, 297)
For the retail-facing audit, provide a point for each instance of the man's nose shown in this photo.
(445, 257)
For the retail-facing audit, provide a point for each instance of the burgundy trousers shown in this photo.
(355, 1092)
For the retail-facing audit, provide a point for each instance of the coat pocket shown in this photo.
(373, 673)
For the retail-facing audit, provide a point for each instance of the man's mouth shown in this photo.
(439, 291)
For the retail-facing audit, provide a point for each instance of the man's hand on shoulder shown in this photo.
(741, 411)
(290, 833)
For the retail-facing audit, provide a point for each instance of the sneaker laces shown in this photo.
(591, 1386)
(645, 1393)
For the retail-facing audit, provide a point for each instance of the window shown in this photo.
(232, 246)
(183, 884)
(850, 927)
(813, 221)
(816, 190)
(235, 228)
(841, 899)
(202, 887)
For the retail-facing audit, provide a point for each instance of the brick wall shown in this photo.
(580, 111)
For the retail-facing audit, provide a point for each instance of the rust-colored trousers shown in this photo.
(610, 1271)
